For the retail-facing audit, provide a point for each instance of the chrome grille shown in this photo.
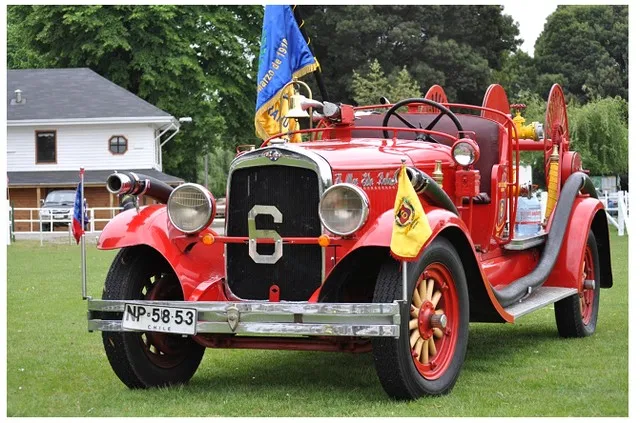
(294, 191)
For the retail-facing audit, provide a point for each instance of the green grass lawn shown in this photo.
(56, 368)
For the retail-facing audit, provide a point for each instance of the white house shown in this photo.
(59, 120)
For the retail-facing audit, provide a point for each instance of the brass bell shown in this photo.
(295, 107)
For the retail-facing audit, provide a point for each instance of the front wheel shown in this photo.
(147, 359)
(577, 315)
(427, 357)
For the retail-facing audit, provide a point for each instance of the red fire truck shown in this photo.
(304, 262)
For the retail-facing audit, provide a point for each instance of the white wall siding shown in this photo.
(83, 146)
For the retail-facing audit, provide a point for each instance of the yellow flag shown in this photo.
(411, 228)
(270, 120)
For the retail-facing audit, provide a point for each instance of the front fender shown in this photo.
(379, 234)
(567, 272)
(199, 267)
(446, 224)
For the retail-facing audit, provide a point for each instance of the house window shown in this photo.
(118, 144)
(45, 146)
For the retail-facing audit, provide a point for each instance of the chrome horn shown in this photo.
(123, 183)
(119, 183)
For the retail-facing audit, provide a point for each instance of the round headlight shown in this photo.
(190, 208)
(343, 209)
(465, 152)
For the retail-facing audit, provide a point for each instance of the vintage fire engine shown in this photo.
(304, 262)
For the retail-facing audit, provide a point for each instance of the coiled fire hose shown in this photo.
(552, 183)
(575, 183)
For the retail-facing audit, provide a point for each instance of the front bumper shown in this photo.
(267, 318)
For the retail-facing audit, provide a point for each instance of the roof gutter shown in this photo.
(91, 121)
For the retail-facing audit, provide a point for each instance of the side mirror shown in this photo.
(41, 202)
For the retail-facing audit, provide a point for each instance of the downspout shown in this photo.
(171, 125)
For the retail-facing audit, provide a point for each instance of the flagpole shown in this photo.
(405, 284)
(83, 252)
(317, 73)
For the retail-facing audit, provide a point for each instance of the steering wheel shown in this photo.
(421, 136)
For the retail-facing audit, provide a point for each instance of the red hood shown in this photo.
(366, 154)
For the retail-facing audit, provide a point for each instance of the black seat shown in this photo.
(487, 133)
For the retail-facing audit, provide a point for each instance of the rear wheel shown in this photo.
(147, 359)
(427, 357)
(577, 315)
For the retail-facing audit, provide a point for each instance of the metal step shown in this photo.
(538, 299)
(519, 244)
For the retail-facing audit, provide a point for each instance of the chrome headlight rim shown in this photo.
(473, 149)
(210, 203)
(364, 199)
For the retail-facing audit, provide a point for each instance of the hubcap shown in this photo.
(433, 323)
(587, 295)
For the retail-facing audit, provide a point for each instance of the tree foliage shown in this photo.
(367, 88)
(599, 131)
(219, 161)
(588, 45)
(192, 61)
(453, 46)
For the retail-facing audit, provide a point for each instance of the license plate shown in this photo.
(160, 319)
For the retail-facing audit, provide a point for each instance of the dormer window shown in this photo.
(46, 147)
(118, 144)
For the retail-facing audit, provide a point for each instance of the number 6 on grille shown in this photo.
(254, 234)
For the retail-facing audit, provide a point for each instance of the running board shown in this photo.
(524, 243)
(539, 298)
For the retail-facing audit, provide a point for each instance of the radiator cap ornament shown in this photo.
(272, 155)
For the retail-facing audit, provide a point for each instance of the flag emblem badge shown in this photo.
(405, 214)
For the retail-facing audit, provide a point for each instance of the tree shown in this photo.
(219, 161)
(599, 131)
(588, 45)
(454, 46)
(196, 61)
(518, 75)
(368, 88)
(402, 86)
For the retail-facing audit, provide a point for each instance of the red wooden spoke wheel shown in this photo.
(587, 295)
(577, 315)
(496, 98)
(556, 116)
(434, 317)
(427, 357)
(556, 127)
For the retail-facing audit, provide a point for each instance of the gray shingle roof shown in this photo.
(77, 93)
(71, 177)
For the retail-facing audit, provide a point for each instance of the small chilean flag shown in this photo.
(78, 211)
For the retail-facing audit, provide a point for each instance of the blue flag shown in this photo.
(284, 55)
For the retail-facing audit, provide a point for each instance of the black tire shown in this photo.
(134, 356)
(46, 227)
(569, 317)
(394, 362)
